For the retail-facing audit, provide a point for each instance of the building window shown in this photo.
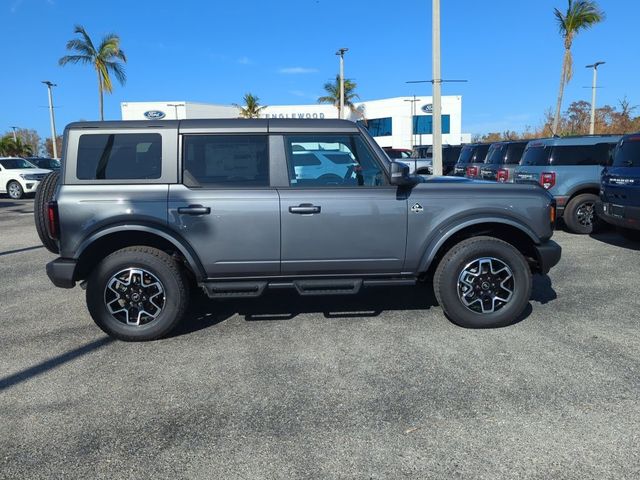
(378, 127)
(423, 124)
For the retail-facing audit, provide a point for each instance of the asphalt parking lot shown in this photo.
(375, 386)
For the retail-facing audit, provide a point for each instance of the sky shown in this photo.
(283, 51)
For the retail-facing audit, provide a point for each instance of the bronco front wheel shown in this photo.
(137, 294)
(483, 282)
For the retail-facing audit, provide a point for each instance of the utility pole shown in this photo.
(175, 106)
(592, 127)
(54, 143)
(437, 92)
(15, 137)
(340, 53)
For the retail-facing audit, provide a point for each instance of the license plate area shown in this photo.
(615, 210)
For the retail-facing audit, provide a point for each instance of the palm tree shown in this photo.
(333, 94)
(252, 106)
(15, 148)
(105, 59)
(580, 15)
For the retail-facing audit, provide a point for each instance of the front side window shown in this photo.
(16, 163)
(226, 161)
(119, 156)
(332, 160)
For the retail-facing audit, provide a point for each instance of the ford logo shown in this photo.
(428, 108)
(154, 114)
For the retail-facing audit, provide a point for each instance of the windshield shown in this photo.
(15, 163)
(535, 156)
(496, 154)
(628, 152)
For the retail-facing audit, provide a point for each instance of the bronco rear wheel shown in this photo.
(483, 282)
(137, 294)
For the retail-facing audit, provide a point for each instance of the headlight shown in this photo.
(29, 176)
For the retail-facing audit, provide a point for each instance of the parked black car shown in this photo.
(501, 161)
(45, 162)
(450, 154)
(472, 153)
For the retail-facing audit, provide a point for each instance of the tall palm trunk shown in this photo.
(563, 81)
(100, 96)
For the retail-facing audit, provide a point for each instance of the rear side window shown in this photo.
(535, 156)
(119, 156)
(226, 161)
(597, 154)
(496, 154)
(628, 153)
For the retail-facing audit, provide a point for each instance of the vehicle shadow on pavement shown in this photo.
(614, 238)
(286, 305)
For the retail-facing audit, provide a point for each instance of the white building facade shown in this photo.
(399, 122)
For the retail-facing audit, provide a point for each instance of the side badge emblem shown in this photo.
(417, 208)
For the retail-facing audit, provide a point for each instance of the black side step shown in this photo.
(234, 289)
(328, 286)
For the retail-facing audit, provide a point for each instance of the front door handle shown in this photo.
(194, 210)
(305, 208)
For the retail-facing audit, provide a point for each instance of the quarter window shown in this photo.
(332, 160)
(226, 161)
(119, 156)
(581, 154)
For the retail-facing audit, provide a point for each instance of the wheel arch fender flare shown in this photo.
(582, 188)
(434, 245)
(160, 231)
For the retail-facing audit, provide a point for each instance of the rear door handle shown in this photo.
(305, 208)
(194, 210)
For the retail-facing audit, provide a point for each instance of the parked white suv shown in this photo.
(19, 177)
(330, 166)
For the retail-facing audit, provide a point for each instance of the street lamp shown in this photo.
(341, 53)
(15, 137)
(592, 127)
(51, 118)
(413, 116)
(175, 106)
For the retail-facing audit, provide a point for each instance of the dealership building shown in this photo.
(399, 122)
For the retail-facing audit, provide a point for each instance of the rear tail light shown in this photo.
(52, 215)
(503, 175)
(548, 179)
(472, 171)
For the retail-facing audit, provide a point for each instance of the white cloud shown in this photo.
(244, 61)
(297, 70)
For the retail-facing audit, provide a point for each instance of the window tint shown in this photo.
(628, 153)
(537, 155)
(581, 154)
(16, 163)
(341, 160)
(120, 156)
(514, 153)
(226, 161)
(496, 154)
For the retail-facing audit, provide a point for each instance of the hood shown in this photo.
(26, 171)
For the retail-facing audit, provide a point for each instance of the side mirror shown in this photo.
(400, 174)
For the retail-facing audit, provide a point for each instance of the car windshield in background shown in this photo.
(496, 154)
(628, 153)
(16, 163)
(535, 156)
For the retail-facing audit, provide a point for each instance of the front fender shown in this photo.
(445, 232)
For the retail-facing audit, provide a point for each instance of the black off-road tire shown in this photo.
(44, 194)
(167, 270)
(445, 282)
(571, 211)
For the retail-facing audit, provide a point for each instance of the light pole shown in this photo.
(413, 116)
(51, 118)
(437, 92)
(15, 137)
(175, 106)
(341, 53)
(592, 127)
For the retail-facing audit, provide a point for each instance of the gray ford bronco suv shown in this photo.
(143, 210)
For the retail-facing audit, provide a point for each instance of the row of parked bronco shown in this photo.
(594, 178)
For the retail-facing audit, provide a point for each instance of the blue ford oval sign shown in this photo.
(428, 108)
(154, 114)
